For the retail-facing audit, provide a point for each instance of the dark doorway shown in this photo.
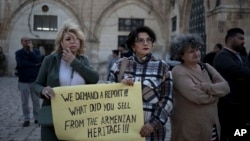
(45, 46)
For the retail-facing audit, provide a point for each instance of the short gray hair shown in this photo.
(180, 44)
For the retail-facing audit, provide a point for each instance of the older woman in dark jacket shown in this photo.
(65, 67)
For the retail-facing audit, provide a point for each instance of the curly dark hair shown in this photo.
(134, 34)
(180, 44)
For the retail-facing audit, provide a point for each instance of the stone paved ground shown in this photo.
(11, 114)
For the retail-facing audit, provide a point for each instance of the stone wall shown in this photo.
(99, 21)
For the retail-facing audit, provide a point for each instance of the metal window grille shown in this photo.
(197, 22)
(45, 23)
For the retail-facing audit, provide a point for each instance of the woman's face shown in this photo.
(143, 45)
(70, 41)
(192, 55)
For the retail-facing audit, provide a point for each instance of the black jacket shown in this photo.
(28, 64)
(237, 74)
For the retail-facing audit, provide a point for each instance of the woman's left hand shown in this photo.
(146, 130)
(48, 92)
(128, 81)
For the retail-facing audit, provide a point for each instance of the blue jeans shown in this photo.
(26, 93)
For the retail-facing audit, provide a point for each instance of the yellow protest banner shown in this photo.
(99, 112)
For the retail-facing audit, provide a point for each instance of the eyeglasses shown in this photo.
(142, 41)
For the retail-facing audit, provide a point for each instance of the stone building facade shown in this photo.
(106, 23)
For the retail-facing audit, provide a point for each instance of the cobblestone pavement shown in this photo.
(11, 114)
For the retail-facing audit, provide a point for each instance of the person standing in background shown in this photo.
(28, 61)
(67, 66)
(209, 58)
(113, 59)
(234, 108)
(123, 52)
(3, 63)
(170, 61)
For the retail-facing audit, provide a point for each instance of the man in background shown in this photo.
(170, 61)
(28, 61)
(209, 58)
(123, 51)
(113, 59)
(233, 109)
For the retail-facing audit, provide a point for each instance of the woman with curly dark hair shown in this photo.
(197, 89)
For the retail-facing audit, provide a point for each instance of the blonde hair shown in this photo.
(74, 29)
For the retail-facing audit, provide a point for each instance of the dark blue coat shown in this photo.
(28, 64)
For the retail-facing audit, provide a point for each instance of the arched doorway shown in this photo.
(23, 23)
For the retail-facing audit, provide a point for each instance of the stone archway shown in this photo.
(185, 9)
(122, 9)
(20, 25)
(106, 31)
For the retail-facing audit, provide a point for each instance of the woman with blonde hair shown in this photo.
(66, 66)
